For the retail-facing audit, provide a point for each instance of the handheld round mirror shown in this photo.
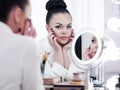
(86, 49)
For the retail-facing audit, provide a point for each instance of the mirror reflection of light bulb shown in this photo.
(113, 23)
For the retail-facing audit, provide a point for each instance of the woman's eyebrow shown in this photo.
(59, 23)
(69, 24)
(62, 24)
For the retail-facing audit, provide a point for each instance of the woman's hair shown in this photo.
(54, 7)
(7, 5)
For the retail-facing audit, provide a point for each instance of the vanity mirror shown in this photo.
(86, 49)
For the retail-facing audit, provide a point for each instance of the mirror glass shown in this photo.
(86, 49)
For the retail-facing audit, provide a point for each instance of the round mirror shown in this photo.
(86, 49)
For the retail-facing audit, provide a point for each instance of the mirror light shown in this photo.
(116, 1)
(92, 62)
(111, 82)
(113, 24)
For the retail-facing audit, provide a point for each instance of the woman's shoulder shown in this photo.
(43, 42)
(44, 45)
(19, 39)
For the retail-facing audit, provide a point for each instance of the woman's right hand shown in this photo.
(53, 41)
(58, 50)
(87, 53)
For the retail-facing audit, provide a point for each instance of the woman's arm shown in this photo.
(65, 49)
(67, 60)
(31, 78)
(58, 58)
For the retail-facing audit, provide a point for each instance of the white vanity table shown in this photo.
(66, 87)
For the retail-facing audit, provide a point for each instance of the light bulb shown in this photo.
(113, 24)
(116, 1)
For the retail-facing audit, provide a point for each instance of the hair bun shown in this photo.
(53, 4)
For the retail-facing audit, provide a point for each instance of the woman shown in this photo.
(56, 46)
(19, 59)
(91, 50)
(55, 50)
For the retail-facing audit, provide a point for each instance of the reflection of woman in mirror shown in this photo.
(91, 50)
(58, 43)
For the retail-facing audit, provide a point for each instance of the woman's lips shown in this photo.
(63, 38)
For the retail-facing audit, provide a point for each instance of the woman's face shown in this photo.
(61, 25)
(94, 45)
(26, 15)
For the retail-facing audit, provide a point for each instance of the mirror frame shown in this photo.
(91, 63)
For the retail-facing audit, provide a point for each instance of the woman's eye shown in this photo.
(58, 27)
(93, 41)
(69, 27)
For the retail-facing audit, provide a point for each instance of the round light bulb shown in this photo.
(116, 1)
(113, 24)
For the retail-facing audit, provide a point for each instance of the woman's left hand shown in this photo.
(29, 30)
(68, 45)
(67, 60)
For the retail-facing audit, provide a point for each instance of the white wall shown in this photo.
(38, 17)
(88, 14)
